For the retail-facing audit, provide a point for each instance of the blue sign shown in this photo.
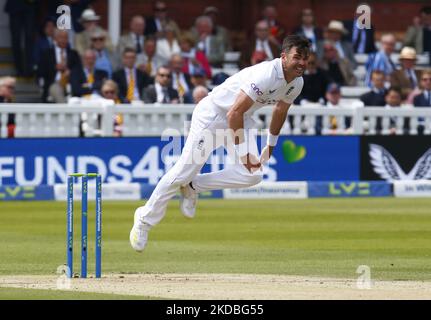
(146, 160)
(344, 189)
(316, 158)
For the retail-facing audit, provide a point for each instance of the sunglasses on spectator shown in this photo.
(164, 75)
(98, 39)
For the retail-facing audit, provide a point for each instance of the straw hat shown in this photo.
(89, 15)
(408, 53)
(337, 26)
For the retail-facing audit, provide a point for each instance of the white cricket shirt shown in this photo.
(264, 83)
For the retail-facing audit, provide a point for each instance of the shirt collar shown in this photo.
(279, 68)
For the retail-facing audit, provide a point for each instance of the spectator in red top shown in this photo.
(193, 58)
(277, 31)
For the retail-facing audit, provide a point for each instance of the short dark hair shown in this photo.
(395, 89)
(302, 44)
(128, 50)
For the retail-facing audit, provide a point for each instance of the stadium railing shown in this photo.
(96, 118)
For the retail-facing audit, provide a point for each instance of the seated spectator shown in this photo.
(277, 31)
(418, 36)
(54, 68)
(423, 99)
(376, 97)
(198, 78)
(161, 91)
(87, 80)
(260, 48)
(156, 25)
(109, 91)
(193, 58)
(218, 31)
(337, 68)
(135, 37)
(105, 60)
(206, 42)
(393, 100)
(316, 81)
(308, 29)
(90, 22)
(406, 78)
(45, 41)
(199, 93)
(334, 33)
(148, 61)
(7, 91)
(167, 46)
(333, 96)
(180, 80)
(382, 59)
(130, 80)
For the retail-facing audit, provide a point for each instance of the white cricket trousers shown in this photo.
(208, 132)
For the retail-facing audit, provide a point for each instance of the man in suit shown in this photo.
(376, 97)
(212, 46)
(7, 92)
(156, 24)
(308, 29)
(406, 78)
(181, 81)
(130, 80)
(87, 80)
(148, 61)
(334, 33)
(260, 49)
(161, 91)
(55, 67)
(337, 68)
(419, 36)
(45, 41)
(135, 38)
(423, 99)
(22, 24)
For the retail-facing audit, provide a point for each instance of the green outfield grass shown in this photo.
(323, 237)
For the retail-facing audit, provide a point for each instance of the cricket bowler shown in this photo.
(228, 109)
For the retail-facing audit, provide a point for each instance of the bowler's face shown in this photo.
(295, 62)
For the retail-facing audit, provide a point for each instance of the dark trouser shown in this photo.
(22, 26)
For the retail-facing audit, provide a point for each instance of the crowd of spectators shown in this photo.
(157, 62)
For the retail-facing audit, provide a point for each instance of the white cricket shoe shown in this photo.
(188, 201)
(139, 233)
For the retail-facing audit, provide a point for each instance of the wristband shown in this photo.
(241, 149)
(271, 140)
